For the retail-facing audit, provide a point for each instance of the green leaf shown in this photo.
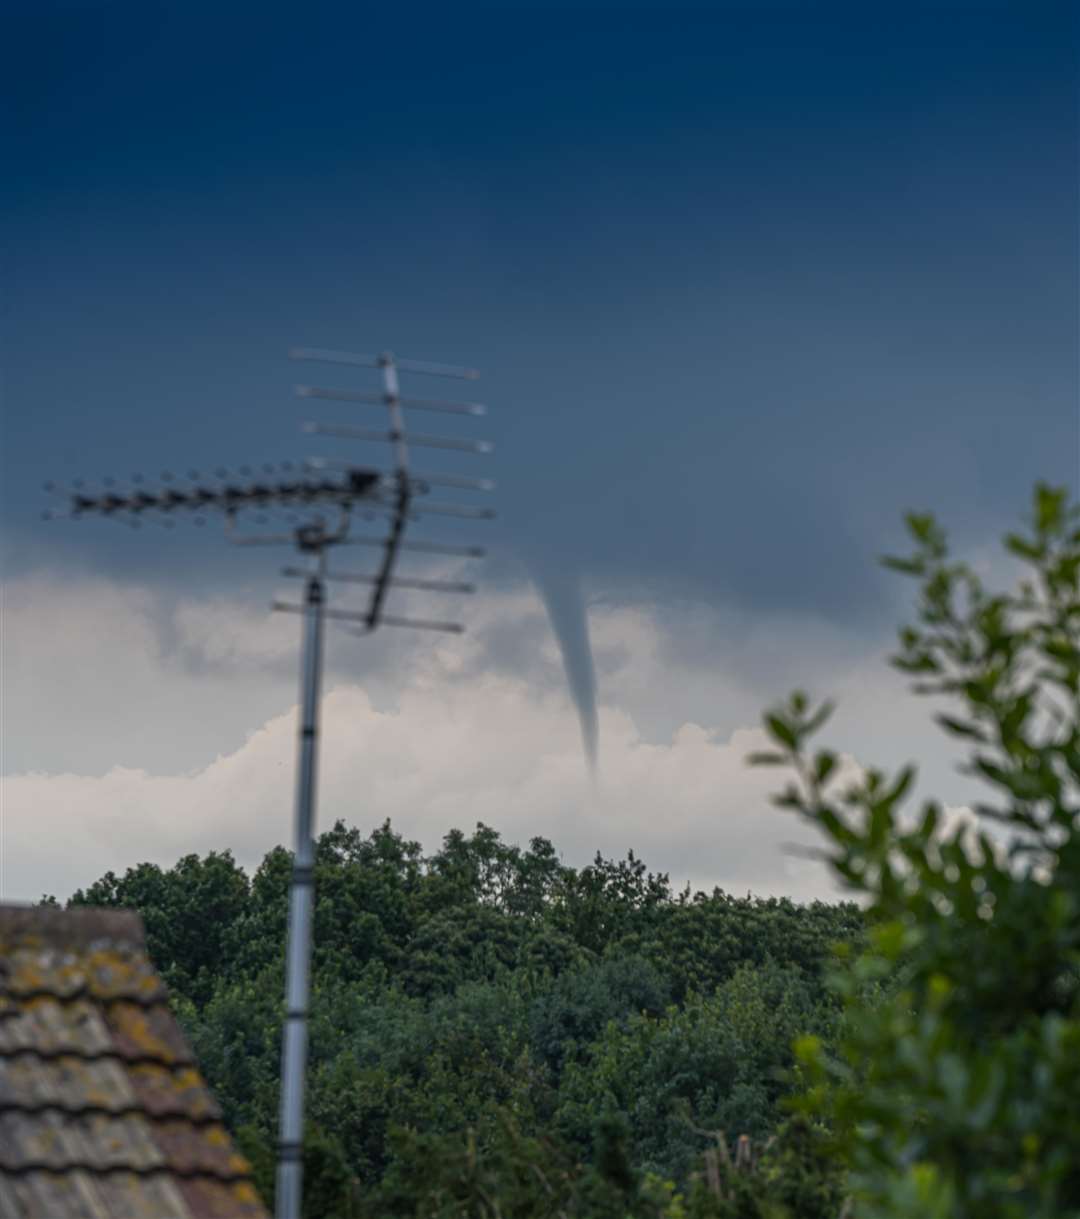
(903, 782)
(767, 758)
(962, 728)
(1022, 548)
(922, 663)
(837, 830)
(920, 525)
(824, 765)
(819, 717)
(907, 567)
(931, 815)
(1049, 508)
(781, 730)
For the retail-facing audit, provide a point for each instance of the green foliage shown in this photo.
(799, 1176)
(955, 1094)
(499, 1172)
(574, 1020)
(191, 913)
(719, 1057)
(330, 1189)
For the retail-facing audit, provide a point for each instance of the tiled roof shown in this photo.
(103, 1112)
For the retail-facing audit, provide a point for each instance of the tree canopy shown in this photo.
(493, 993)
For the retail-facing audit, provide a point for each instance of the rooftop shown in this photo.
(103, 1112)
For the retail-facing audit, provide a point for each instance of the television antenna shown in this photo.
(304, 494)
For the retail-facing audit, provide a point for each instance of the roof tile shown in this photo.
(127, 1196)
(165, 1092)
(47, 1195)
(50, 1027)
(146, 1033)
(84, 1195)
(108, 971)
(95, 1141)
(204, 1150)
(69, 1083)
(208, 1199)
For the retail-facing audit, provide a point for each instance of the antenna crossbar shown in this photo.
(430, 586)
(419, 482)
(464, 511)
(356, 484)
(424, 367)
(395, 436)
(445, 548)
(370, 398)
(420, 624)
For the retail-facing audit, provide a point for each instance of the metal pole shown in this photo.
(290, 1170)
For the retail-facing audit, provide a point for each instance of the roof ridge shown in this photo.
(53, 927)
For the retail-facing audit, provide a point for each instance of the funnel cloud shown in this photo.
(561, 593)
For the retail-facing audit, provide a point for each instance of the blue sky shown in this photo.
(745, 281)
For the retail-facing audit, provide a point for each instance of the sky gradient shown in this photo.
(746, 282)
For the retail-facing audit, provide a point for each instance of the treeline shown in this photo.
(496, 1033)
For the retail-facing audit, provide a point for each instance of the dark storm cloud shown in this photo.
(745, 284)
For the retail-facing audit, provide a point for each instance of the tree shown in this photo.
(190, 911)
(955, 1093)
(718, 1059)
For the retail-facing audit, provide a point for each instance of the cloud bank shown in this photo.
(139, 728)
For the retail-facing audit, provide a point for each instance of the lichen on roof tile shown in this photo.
(112, 972)
(43, 969)
(122, 972)
(201, 1150)
(173, 1091)
(209, 1199)
(146, 1033)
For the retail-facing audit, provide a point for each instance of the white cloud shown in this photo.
(448, 757)
(140, 729)
(225, 633)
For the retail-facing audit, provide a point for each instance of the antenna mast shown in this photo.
(397, 495)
